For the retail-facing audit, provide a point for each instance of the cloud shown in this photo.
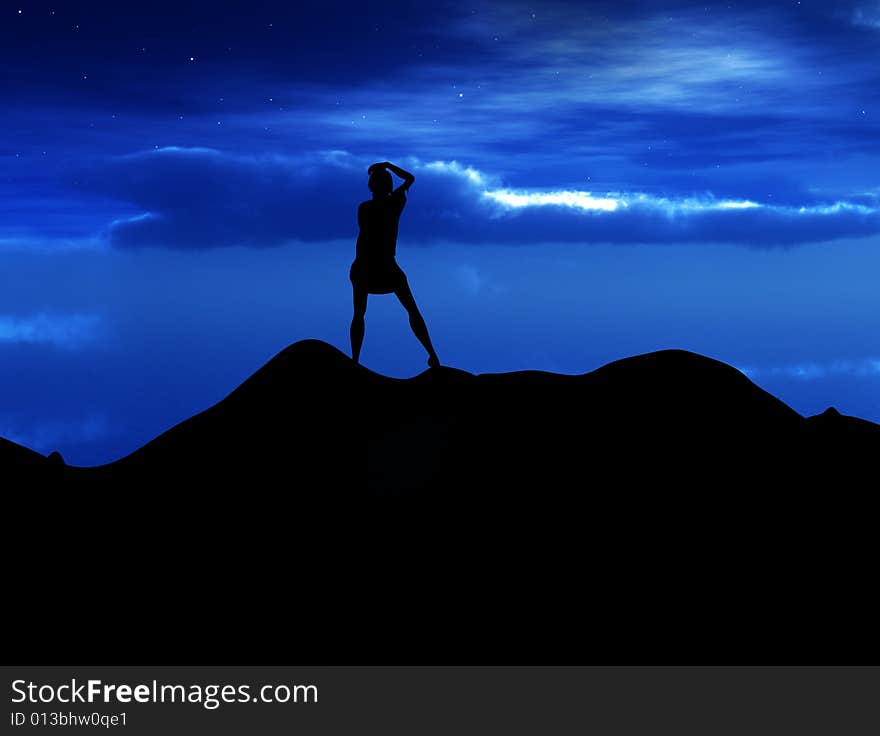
(867, 14)
(683, 56)
(642, 217)
(68, 331)
(812, 371)
(590, 88)
(203, 198)
(34, 242)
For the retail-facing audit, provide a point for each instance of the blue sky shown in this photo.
(594, 180)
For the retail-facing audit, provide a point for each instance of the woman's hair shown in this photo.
(380, 181)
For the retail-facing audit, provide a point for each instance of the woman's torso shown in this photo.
(378, 222)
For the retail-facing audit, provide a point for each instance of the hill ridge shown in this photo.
(316, 384)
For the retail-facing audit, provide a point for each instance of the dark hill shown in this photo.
(330, 427)
(660, 509)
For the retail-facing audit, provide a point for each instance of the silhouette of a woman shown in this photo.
(375, 271)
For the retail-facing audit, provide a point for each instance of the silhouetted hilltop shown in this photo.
(313, 416)
(662, 508)
(334, 429)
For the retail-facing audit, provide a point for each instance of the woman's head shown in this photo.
(380, 182)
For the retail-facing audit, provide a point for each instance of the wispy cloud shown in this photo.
(68, 331)
(31, 242)
(561, 55)
(816, 370)
(867, 14)
(549, 76)
(577, 86)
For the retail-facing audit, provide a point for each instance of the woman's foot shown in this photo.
(433, 361)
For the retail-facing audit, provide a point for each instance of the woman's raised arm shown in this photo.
(407, 177)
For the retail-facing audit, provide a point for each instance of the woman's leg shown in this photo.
(357, 322)
(417, 322)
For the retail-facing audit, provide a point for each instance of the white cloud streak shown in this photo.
(611, 202)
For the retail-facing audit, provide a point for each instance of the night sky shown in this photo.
(594, 180)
